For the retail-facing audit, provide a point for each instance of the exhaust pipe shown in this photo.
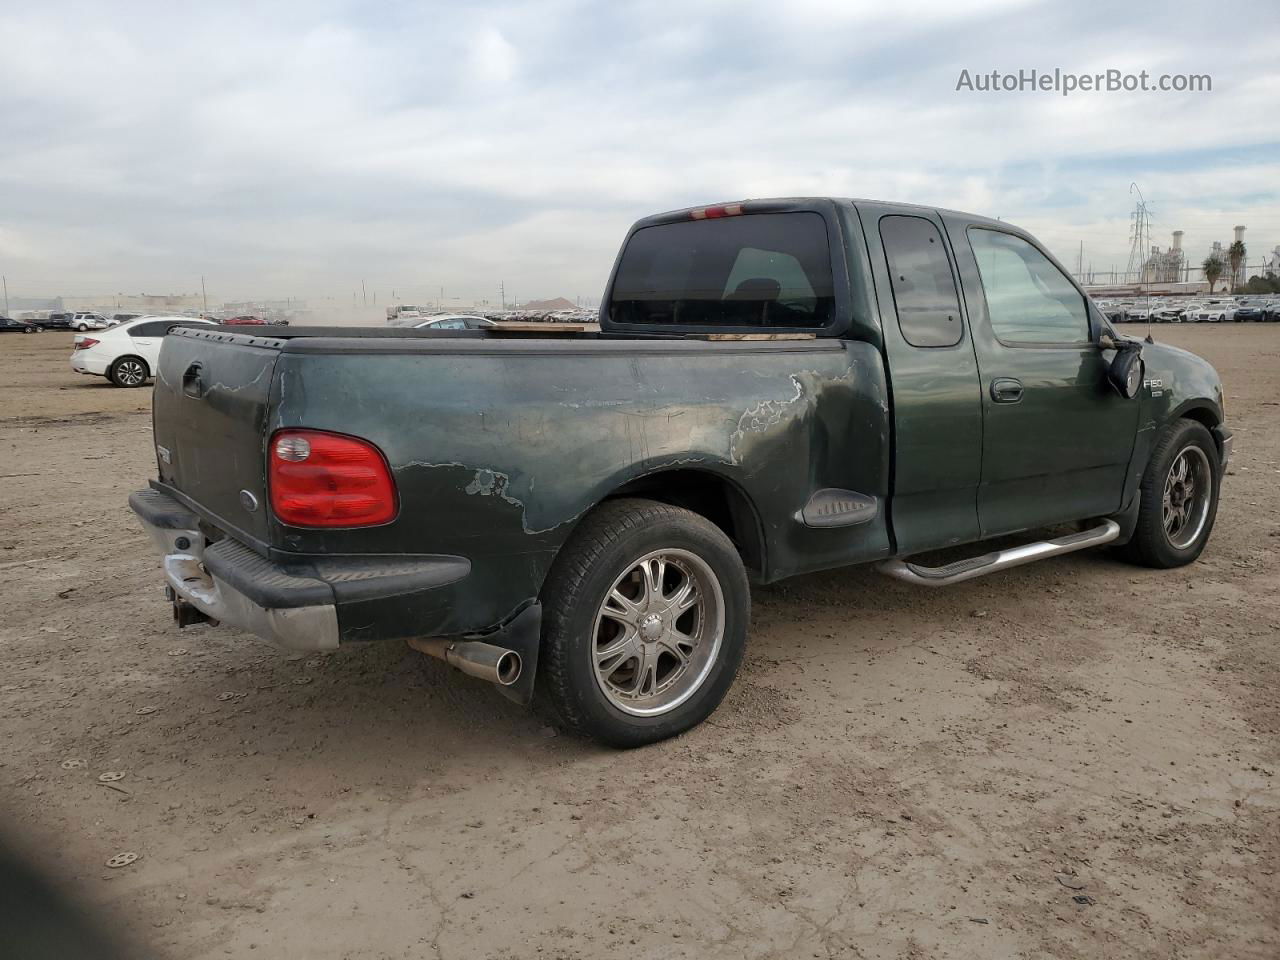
(474, 658)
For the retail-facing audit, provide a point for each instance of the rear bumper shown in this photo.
(299, 606)
(81, 363)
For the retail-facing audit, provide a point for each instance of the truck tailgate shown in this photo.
(210, 413)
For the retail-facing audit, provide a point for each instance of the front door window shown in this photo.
(1029, 299)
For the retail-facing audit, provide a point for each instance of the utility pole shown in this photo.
(502, 289)
(440, 302)
(6, 295)
(364, 294)
(203, 294)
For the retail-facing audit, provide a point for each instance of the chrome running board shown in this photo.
(962, 570)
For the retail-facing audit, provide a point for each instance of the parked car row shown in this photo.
(81, 321)
(9, 325)
(415, 317)
(1216, 310)
(85, 321)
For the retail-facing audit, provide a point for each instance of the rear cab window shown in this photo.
(924, 288)
(763, 270)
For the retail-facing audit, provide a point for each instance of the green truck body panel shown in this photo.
(500, 445)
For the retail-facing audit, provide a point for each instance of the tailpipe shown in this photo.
(475, 658)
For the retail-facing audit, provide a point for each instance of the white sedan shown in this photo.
(126, 354)
(453, 321)
(1215, 313)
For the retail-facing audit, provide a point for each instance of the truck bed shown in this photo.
(499, 444)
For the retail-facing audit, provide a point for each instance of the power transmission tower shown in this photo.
(1139, 236)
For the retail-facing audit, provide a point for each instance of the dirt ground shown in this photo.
(1072, 759)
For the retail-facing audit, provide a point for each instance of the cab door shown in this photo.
(1057, 439)
(933, 377)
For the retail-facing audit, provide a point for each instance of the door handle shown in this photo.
(192, 384)
(1006, 390)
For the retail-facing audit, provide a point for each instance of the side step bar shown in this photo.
(999, 560)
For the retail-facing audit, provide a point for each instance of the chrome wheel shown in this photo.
(131, 372)
(658, 632)
(1187, 492)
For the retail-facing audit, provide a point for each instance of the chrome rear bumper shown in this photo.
(298, 603)
(302, 627)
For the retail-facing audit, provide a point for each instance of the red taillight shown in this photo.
(86, 343)
(714, 213)
(320, 479)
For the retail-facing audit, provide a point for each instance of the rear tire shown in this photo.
(1178, 498)
(645, 616)
(129, 372)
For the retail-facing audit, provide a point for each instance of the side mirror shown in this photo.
(1125, 372)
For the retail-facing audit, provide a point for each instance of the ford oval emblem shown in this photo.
(248, 501)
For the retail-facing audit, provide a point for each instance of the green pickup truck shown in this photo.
(776, 387)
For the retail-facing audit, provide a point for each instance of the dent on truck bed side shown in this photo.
(499, 449)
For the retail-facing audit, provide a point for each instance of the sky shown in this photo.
(302, 148)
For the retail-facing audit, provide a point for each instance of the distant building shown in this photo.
(33, 306)
(137, 303)
(1271, 265)
(1165, 266)
(1125, 290)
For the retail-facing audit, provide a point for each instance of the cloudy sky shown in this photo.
(297, 148)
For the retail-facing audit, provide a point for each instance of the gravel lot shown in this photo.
(1073, 759)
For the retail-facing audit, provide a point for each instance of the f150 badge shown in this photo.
(1156, 387)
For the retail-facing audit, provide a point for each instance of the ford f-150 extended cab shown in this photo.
(777, 387)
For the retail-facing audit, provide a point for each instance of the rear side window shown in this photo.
(156, 328)
(1029, 299)
(757, 270)
(924, 290)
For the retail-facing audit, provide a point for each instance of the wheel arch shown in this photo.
(709, 494)
(1205, 412)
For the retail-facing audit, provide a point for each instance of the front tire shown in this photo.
(645, 616)
(129, 372)
(1178, 498)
